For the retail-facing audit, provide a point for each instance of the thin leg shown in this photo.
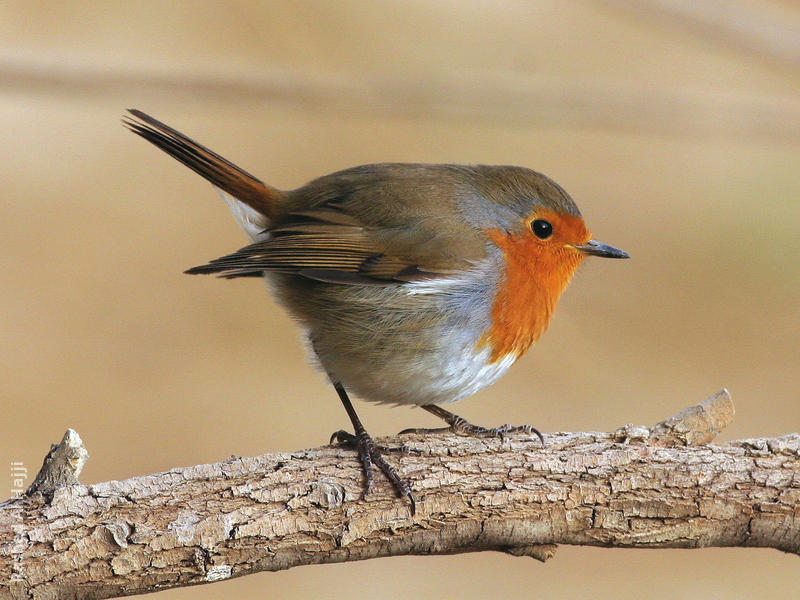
(464, 427)
(368, 451)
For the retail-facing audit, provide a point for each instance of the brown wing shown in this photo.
(323, 250)
(375, 224)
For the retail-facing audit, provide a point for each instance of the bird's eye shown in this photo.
(542, 229)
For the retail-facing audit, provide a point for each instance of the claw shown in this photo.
(369, 453)
(459, 425)
(342, 437)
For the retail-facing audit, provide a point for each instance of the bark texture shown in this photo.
(645, 487)
(61, 467)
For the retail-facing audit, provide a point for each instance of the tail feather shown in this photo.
(220, 172)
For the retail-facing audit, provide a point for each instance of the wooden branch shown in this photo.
(643, 487)
(61, 467)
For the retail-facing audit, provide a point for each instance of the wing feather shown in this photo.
(358, 227)
(322, 251)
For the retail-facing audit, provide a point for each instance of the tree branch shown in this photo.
(644, 487)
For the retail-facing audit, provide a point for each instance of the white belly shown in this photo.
(388, 358)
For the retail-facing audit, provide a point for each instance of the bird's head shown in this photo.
(542, 237)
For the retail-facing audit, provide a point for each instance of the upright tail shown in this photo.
(233, 182)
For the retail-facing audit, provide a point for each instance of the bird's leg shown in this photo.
(464, 427)
(368, 451)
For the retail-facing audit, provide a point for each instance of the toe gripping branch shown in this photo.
(461, 426)
(369, 452)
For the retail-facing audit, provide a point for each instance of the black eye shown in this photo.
(542, 229)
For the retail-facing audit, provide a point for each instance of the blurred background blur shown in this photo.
(674, 124)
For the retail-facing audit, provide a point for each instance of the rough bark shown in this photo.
(644, 487)
(61, 467)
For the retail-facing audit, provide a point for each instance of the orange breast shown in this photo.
(535, 276)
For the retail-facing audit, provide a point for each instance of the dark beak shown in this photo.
(595, 248)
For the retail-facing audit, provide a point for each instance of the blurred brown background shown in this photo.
(675, 125)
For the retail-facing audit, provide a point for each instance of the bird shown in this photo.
(414, 284)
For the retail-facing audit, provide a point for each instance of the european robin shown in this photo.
(415, 284)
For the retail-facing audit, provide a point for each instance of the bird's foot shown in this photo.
(461, 426)
(370, 454)
(345, 438)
